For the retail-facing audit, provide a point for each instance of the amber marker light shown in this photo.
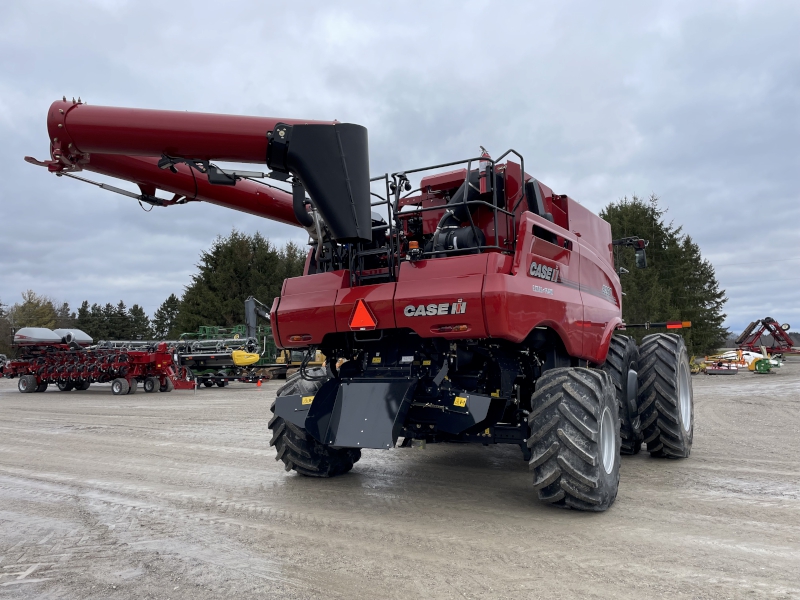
(305, 337)
(450, 328)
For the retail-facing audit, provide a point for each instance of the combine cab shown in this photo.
(462, 302)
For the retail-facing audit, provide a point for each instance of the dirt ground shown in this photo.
(179, 496)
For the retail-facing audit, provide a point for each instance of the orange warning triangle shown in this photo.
(362, 318)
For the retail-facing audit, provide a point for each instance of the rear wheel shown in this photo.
(27, 384)
(208, 383)
(151, 384)
(65, 386)
(296, 448)
(622, 365)
(119, 387)
(666, 404)
(575, 439)
(167, 386)
(42, 387)
(83, 386)
(222, 383)
(134, 385)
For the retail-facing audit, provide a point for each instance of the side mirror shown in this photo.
(641, 259)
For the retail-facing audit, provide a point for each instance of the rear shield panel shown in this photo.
(362, 413)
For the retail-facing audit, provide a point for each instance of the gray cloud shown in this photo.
(697, 102)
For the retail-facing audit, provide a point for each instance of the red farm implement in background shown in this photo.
(63, 358)
(781, 342)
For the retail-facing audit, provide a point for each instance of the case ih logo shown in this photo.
(543, 272)
(429, 310)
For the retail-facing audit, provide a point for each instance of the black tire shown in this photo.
(82, 386)
(151, 385)
(208, 383)
(134, 385)
(167, 386)
(222, 383)
(65, 386)
(666, 404)
(622, 357)
(575, 439)
(120, 387)
(27, 384)
(296, 448)
(42, 387)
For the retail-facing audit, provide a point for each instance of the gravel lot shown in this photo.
(178, 496)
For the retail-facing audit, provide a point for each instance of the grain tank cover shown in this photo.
(332, 162)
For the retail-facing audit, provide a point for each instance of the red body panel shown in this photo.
(504, 297)
(307, 307)
(438, 282)
(378, 297)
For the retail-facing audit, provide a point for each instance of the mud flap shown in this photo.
(469, 410)
(360, 413)
(295, 408)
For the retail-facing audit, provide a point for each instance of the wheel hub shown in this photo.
(607, 441)
(684, 394)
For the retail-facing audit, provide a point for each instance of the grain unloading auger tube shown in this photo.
(480, 306)
(175, 152)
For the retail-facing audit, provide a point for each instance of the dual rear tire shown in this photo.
(666, 403)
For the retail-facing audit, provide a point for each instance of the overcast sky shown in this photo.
(698, 102)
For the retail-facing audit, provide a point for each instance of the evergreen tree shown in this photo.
(165, 319)
(106, 322)
(234, 268)
(83, 318)
(138, 323)
(678, 283)
(65, 318)
(121, 325)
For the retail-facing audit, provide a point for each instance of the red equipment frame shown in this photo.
(63, 364)
(751, 337)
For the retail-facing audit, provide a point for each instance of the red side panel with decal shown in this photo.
(429, 298)
(542, 290)
(600, 294)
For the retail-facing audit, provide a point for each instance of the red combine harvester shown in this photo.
(463, 302)
(62, 358)
(750, 339)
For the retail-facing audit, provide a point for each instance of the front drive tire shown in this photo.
(666, 403)
(296, 448)
(575, 439)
